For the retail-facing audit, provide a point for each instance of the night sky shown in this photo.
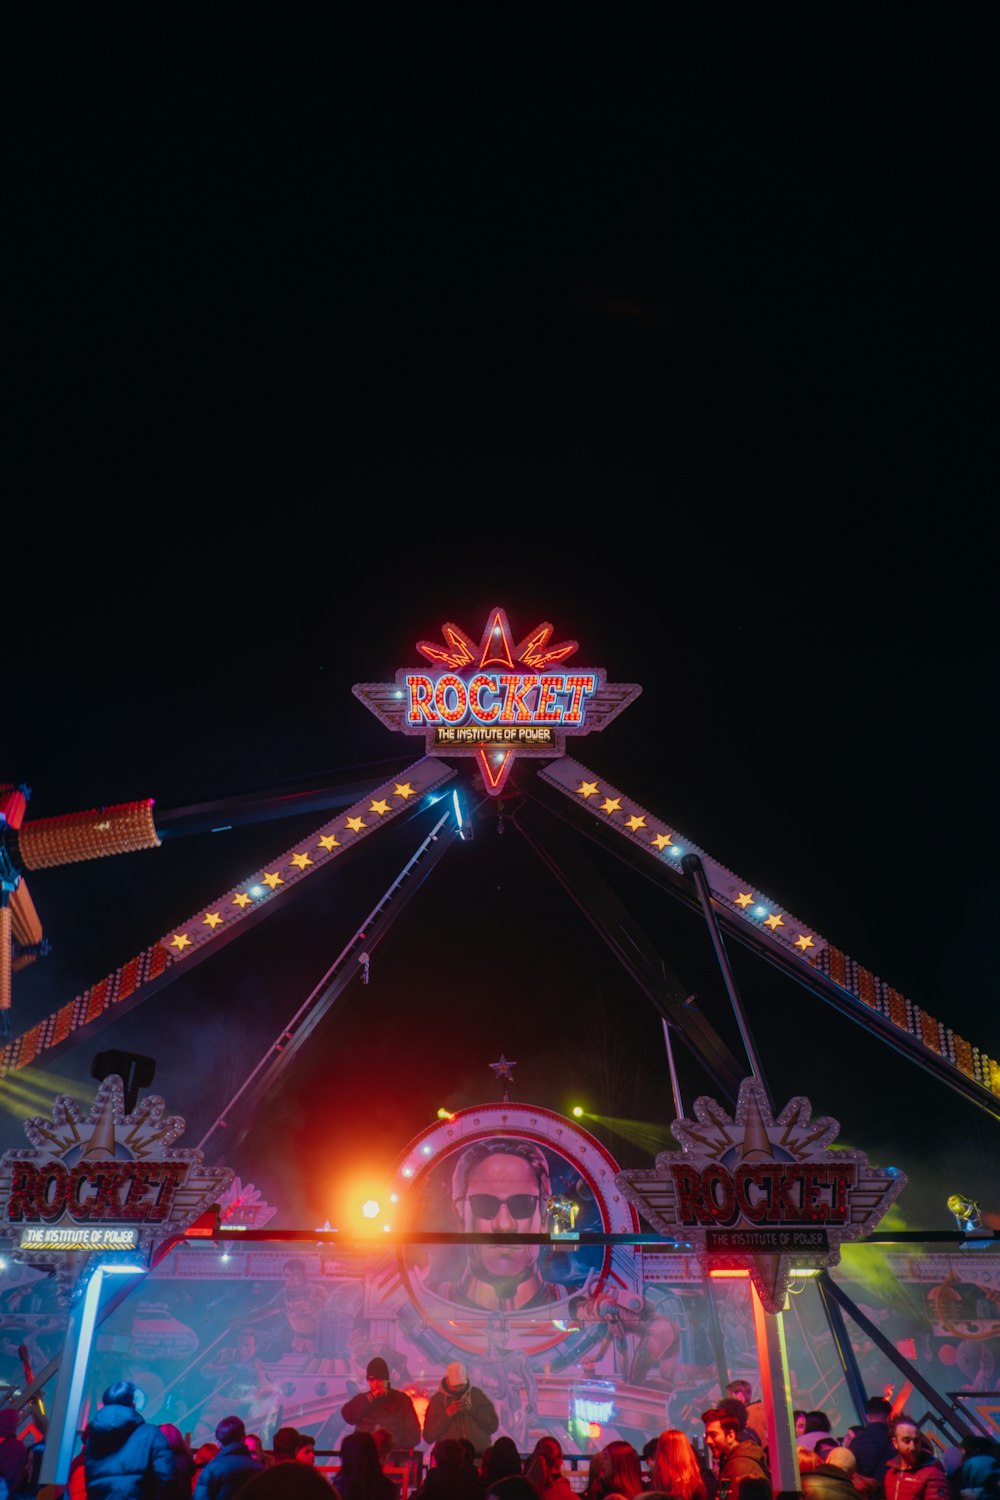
(678, 342)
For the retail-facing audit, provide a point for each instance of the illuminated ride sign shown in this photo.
(79, 1239)
(753, 1193)
(104, 1181)
(497, 699)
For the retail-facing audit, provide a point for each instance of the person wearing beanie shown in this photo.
(13, 1453)
(382, 1406)
(124, 1457)
(459, 1409)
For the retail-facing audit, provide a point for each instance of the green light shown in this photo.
(577, 1110)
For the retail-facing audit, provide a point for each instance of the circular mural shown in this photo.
(501, 1169)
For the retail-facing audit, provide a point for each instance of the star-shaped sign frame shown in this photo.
(496, 699)
(761, 1192)
(104, 1169)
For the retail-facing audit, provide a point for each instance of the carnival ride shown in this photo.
(45, 843)
(556, 805)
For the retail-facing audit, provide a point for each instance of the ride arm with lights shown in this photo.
(216, 924)
(656, 848)
(44, 844)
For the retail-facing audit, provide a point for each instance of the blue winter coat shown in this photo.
(125, 1458)
(227, 1473)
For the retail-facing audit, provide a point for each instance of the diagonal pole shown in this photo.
(292, 1037)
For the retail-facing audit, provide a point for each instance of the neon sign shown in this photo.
(496, 699)
(760, 1193)
(79, 1239)
(102, 1181)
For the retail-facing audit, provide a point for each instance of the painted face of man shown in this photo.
(904, 1440)
(502, 1195)
(378, 1387)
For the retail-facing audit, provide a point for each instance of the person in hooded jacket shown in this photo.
(124, 1457)
(459, 1409)
(13, 1453)
(232, 1467)
(737, 1461)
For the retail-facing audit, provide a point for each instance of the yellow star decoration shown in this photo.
(300, 861)
(404, 790)
(211, 919)
(774, 922)
(241, 900)
(635, 822)
(380, 806)
(611, 805)
(743, 899)
(661, 840)
(180, 940)
(329, 841)
(587, 789)
(356, 824)
(804, 942)
(272, 878)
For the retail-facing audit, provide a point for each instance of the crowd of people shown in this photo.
(887, 1457)
(123, 1457)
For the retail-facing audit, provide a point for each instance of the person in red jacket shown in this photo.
(913, 1473)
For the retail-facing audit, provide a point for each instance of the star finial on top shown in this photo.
(505, 1070)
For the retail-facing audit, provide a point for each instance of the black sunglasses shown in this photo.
(486, 1206)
